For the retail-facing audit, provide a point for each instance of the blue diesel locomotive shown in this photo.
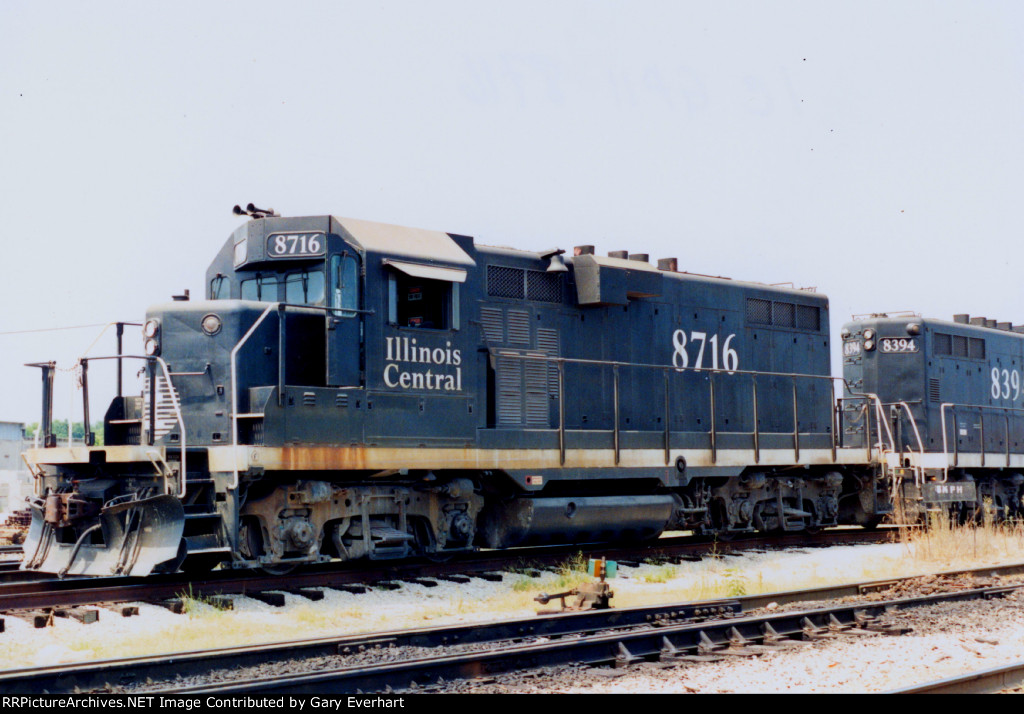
(351, 389)
(953, 400)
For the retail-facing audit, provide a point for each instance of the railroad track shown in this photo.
(701, 641)
(596, 638)
(49, 592)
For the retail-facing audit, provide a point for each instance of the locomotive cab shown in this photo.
(275, 358)
(299, 263)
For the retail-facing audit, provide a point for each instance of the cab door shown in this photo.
(344, 321)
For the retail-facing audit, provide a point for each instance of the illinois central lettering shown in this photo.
(431, 362)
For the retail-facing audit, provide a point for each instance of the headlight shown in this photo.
(211, 324)
(151, 347)
(869, 345)
(913, 329)
(151, 328)
(869, 334)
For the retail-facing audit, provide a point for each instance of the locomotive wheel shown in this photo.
(250, 541)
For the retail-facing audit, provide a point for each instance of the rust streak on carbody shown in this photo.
(322, 458)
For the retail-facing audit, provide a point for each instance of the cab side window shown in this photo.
(420, 302)
(344, 281)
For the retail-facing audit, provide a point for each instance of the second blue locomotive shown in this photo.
(953, 398)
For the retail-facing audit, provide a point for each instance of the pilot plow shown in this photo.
(129, 535)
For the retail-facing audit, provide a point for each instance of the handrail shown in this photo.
(1006, 411)
(150, 359)
(872, 398)
(615, 373)
(234, 389)
(48, 368)
(495, 353)
(917, 435)
(913, 423)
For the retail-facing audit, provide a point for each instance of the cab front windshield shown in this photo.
(300, 287)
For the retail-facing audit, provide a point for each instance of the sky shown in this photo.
(872, 150)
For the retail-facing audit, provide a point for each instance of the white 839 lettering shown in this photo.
(1005, 383)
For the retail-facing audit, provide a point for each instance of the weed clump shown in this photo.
(572, 572)
(950, 539)
(194, 605)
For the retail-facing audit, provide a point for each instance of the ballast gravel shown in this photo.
(969, 636)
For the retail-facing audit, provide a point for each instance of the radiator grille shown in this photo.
(505, 282)
(543, 287)
(517, 283)
(808, 317)
(759, 312)
(783, 314)
(959, 346)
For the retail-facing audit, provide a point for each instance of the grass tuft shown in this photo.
(196, 605)
(948, 543)
(572, 572)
